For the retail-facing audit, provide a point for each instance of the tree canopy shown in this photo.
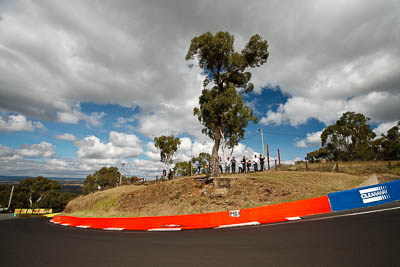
(103, 178)
(38, 192)
(182, 168)
(35, 189)
(350, 138)
(168, 145)
(388, 145)
(222, 110)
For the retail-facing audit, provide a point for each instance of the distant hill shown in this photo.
(16, 179)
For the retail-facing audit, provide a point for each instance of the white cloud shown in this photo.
(122, 122)
(312, 139)
(380, 106)
(74, 116)
(8, 154)
(14, 123)
(112, 53)
(121, 145)
(44, 149)
(67, 137)
(383, 128)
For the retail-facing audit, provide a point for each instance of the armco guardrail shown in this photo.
(266, 214)
(365, 196)
(33, 211)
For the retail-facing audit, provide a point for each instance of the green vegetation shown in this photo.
(101, 179)
(36, 192)
(351, 139)
(388, 146)
(222, 111)
(168, 145)
(182, 168)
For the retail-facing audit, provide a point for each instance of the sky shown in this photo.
(89, 84)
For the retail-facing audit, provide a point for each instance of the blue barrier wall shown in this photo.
(365, 196)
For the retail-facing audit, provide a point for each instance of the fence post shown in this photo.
(306, 165)
(337, 167)
(279, 158)
(276, 166)
(268, 157)
(389, 165)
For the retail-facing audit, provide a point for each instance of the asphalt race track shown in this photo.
(368, 239)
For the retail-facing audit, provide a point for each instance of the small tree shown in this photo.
(350, 138)
(168, 145)
(388, 145)
(317, 155)
(105, 178)
(203, 158)
(182, 168)
(222, 110)
(35, 189)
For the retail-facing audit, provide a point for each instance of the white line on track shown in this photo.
(293, 218)
(329, 217)
(83, 226)
(113, 229)
(237, 225)
(163, 229)
(357, 213)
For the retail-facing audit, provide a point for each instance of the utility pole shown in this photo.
(268, 157)
(11, 195)
(191, 157)
(120, 176)
(279, 157)
(262, 141)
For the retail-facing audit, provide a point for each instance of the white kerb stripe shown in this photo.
(65, 224)
(83, 226)
(293, 218)
(164, 229)
(56, 222)
(114, 229)
(237, 225)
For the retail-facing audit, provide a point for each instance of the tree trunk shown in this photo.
(214, 155)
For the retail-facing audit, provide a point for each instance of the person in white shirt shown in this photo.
(227, 165)
(255, 163)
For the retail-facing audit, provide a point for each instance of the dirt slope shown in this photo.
(189, 196)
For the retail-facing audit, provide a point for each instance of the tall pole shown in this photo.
(191, 157)
(120, 174)
(279, 157)
(11, 195)
(268, 157)
(262, 141)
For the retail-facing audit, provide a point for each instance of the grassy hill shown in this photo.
(188, 196)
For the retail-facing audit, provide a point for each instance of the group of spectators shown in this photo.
(231, 165)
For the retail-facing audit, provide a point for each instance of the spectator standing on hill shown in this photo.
(248, 164)
(233, 165)
(198, 167)
(220, 164)
(255, 163)
(262, 158)
(243, 164)
(227, 165)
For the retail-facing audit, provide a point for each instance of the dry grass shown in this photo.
(188, 196)
(356, 168)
